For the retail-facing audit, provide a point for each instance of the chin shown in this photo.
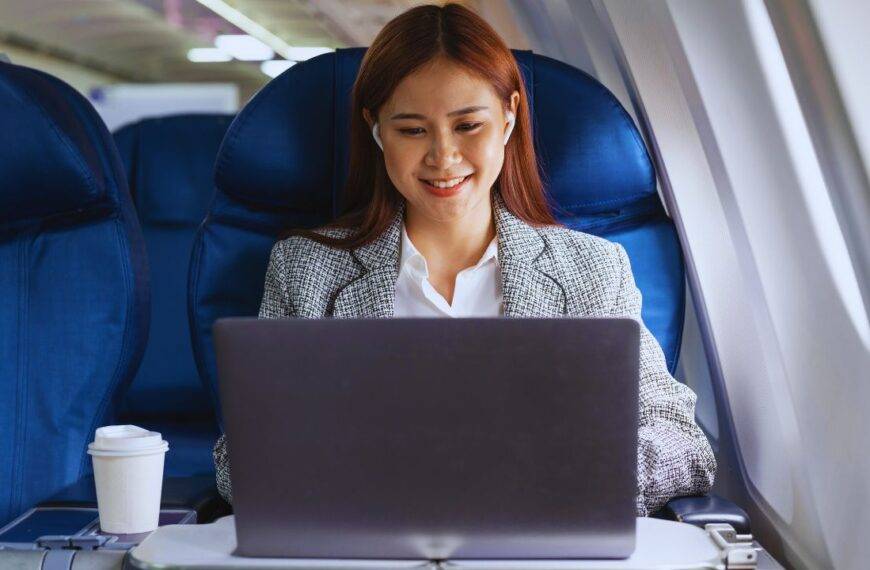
(453, 208)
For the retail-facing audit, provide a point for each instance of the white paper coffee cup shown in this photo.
(128, 472)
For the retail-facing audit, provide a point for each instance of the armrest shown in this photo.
(197, 493)
(710, 508)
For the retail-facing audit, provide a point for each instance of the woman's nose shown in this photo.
(443, 153)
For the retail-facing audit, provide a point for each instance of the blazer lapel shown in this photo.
(373, 293)
(528, 271)
(528, 268)
(370, 296)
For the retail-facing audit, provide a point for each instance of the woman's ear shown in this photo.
(515, 102)
(511, 116)
(373, 126)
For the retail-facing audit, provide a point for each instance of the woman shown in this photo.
(446, 216)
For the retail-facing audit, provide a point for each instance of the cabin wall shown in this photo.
(764, 254)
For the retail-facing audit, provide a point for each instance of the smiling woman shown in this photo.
(445, 148)
(445, 216)
(441, 92)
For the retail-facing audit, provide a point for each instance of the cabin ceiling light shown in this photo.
(276, 67)
(207, 55)
(244, 47)
(247, 25)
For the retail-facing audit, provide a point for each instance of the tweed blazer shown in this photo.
(545, 272)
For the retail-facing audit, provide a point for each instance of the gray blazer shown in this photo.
(545, 272)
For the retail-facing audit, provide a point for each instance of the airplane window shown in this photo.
(808, 161)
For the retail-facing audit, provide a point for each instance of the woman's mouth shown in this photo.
(445, 188)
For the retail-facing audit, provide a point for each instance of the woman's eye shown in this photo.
(469, 126)
(464, 127)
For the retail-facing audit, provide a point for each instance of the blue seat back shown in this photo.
(73, 279)
(285, 158)
(169, 163)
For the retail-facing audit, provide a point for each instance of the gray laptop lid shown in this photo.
(431, 438)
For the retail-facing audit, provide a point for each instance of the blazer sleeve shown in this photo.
(674, 457)
(274, 305)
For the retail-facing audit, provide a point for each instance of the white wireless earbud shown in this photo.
(511, 120)
(377, 134)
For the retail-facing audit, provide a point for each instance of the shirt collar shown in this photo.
(412, 258)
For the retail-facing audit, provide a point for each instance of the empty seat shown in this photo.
(170, 168)
(74, 284)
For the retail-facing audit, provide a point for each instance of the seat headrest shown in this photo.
(52, 163)
(170, 165)
(288, 147)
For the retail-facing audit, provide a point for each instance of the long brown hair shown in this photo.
(407, 43)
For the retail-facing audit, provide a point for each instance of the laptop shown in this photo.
(431, 439)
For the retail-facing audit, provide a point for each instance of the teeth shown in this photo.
(446, 184)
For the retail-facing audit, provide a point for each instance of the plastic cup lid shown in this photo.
(126, 439)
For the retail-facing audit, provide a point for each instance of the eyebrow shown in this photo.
(463, 111)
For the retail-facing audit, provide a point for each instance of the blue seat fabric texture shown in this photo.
(285, 158)
(73, 283)
(169, 163)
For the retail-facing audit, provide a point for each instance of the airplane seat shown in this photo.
(284, 160)
(74, 284)
(169, 163)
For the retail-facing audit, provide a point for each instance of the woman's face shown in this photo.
(442, 124)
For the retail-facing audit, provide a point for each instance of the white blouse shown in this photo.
(477, 292)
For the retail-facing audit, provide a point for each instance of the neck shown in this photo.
(455, 244)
